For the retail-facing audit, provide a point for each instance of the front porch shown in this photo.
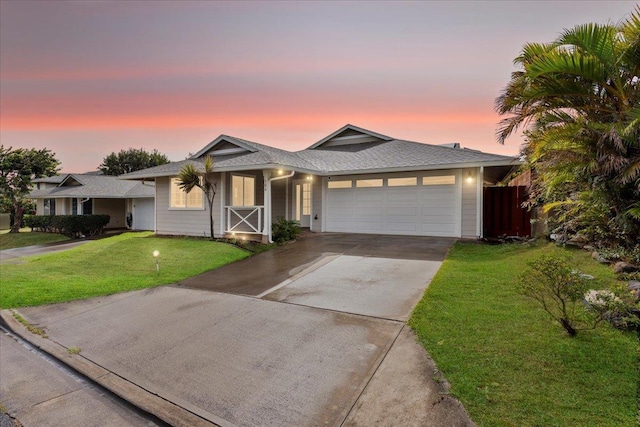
(253, 200)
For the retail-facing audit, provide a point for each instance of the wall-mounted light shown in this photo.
(280, 171)
(469, 178)
(309, 177)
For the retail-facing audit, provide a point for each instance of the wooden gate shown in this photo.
(504, 214)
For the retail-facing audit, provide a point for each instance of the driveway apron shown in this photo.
(301, 350)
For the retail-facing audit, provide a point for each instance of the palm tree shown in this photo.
(189, 178)
(578, 99)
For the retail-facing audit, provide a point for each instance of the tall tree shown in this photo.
(131, 160)
(18, 169)
(578, 98)
(190, 178)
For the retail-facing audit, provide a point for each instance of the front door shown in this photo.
(302, 207)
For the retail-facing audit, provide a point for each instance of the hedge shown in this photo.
(69, 225)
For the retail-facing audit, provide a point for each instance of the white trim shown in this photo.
(353, 128)
(225, 138)
(222, 191)
(480, 202)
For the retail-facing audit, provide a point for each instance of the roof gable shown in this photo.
(225, 145)
(349, 135)
(70, 181)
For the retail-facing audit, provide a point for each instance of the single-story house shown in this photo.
(130, 204)
(353, 180)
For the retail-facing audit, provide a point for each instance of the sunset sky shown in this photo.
(87, 78)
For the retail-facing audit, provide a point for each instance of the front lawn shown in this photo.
(26, 237)
(507, 361)
(109, 265)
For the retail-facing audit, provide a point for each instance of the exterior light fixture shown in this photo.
(280, 171)
(156, 255)
(469, 178)
(309, 177)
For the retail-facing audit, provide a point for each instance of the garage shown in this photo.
(426, 204)
(144, 214)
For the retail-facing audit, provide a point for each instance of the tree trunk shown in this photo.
(566, 324)
(17, 219)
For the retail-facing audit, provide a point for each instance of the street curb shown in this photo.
(167, 411)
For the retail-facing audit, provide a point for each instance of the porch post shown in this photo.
(480, 201)
(266, 220)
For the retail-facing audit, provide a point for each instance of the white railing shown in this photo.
(244, 219)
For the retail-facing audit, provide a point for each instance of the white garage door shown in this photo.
(424, 205)
(143, 214)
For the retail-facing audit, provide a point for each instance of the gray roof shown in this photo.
(95, 186)
(380, 154)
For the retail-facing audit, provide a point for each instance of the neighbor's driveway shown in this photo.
(319, 341)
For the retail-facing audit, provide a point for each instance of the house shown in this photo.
(130, 204)
(353, 180)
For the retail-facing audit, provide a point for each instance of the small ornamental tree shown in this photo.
(18, 169)
(189, 178)
(131, 160)
(558, 289)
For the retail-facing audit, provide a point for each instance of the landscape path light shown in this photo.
(156, 255)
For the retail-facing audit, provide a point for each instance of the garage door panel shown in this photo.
(400, 212)
(429, 210)
(406, 227)
(394, 195)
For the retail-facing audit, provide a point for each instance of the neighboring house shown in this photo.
(353, 180)
(130, 204)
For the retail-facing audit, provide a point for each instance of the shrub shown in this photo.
(69, 225)
(558, 289)
(285, 230)
(621, 309)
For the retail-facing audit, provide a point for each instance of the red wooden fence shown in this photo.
(503, 212)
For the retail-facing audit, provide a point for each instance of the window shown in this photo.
(306, 199)
(340, 184)
(364, 183)
(49, 207)
(243, 190)
(74, 206)
(439, 180)
(402, 182)
(182, 200)
(87, 207)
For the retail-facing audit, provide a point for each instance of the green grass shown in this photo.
(110, 265)
(26, 237)
(507, 361)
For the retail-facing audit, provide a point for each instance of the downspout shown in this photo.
(267, 221)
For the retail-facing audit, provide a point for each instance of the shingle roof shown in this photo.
(96, 186)
(395, 154)
(386, 154)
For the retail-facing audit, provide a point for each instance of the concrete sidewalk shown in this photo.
(12, 255)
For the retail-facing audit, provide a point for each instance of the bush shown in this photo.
(69, 225)
(559, 290)
(285, 230)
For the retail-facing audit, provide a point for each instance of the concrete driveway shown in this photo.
(309, 334)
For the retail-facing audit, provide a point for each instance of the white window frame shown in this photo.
(173, 186)
(243, 189)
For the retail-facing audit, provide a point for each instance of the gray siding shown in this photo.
(115, 208)
(279, 199)
(182, 222)
(469, 203)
